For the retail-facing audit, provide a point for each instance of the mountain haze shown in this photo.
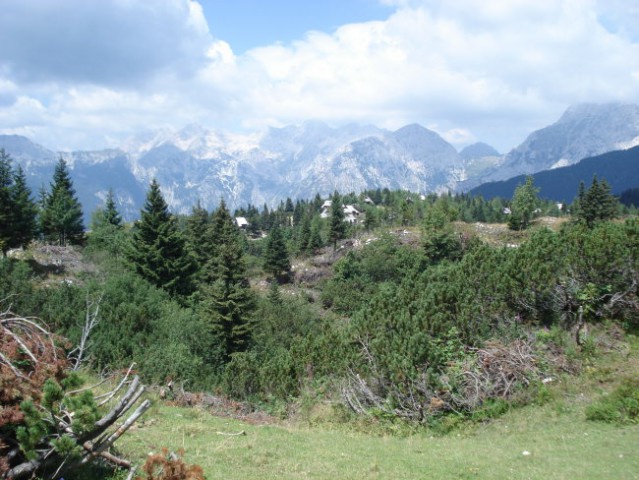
(295, 161)
(299, 161)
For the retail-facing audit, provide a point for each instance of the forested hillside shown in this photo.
(396, 307)
(619, 168)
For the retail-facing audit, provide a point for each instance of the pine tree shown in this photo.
(6, 202)
(315, 242)
(439, 240)
(305, 235)
(25, 211)
(596, 203)
(111, 214)
(523, 205)
(228, 301)
(17, 210)
(222, 228)
(288, 207)
(107, 231)
(274, 296)
(61, 218)
(197, 225)
(608, 203)
(276, 261)
(370, 218)
(337, 227)
(158, 249)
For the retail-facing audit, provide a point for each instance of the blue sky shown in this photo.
(272, 21)
(84, 74)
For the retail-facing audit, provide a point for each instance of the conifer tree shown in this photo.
(222, 228)
(17, 209)
(276, 261)
(305, 234)
(523, 205)
(6, 202)
(288, 207)
(158, 249)
(370, 218)
(25, 211)
(273, 295)
(61, 218)
(197, 225)
(111, 214)
(596, 203)
(438, 237)
(337, 227)
(107, 231)
(228, 302)
(315, 241)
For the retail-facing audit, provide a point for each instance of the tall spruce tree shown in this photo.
(111, 214)
(276, 261)
(6, 202)
(315, 241)
(304, 237)
(228, 302)
(107, 231)
(17, 209)
(61, 218)
(337, 227)
(595, 203)
(158, 249)
(25, 211)
(197, 225)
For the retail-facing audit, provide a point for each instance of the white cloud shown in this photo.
(522, 62)
(118, 42)
(491, 71)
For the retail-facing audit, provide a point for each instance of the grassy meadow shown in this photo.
(551, 439)
(530, 443)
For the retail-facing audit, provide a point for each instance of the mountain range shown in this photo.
(299, 161)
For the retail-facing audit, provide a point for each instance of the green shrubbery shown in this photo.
(621, 406)
(401, 323)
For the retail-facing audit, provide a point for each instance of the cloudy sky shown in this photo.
(80, 74)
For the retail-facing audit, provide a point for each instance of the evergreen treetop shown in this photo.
(25, 211)
(228, 301)
(6, 203)
(158, 249)
(111, 214)
(523, 205)
(197, 226)
(595, 203)
(337, 227)
(17, 209)
(276, 261)
(61, 217)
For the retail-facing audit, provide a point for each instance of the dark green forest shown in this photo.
(421, 309)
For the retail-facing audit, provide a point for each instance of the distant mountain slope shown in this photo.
(298, 161)
(295, 161)
(478, 150)
(583, 131)
(620, 169)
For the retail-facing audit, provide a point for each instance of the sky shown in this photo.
(88, 74)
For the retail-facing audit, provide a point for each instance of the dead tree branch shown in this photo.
(90, 321)
(28, 358)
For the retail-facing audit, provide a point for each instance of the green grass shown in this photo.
(561, 442)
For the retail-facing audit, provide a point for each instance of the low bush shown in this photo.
(620, 407)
